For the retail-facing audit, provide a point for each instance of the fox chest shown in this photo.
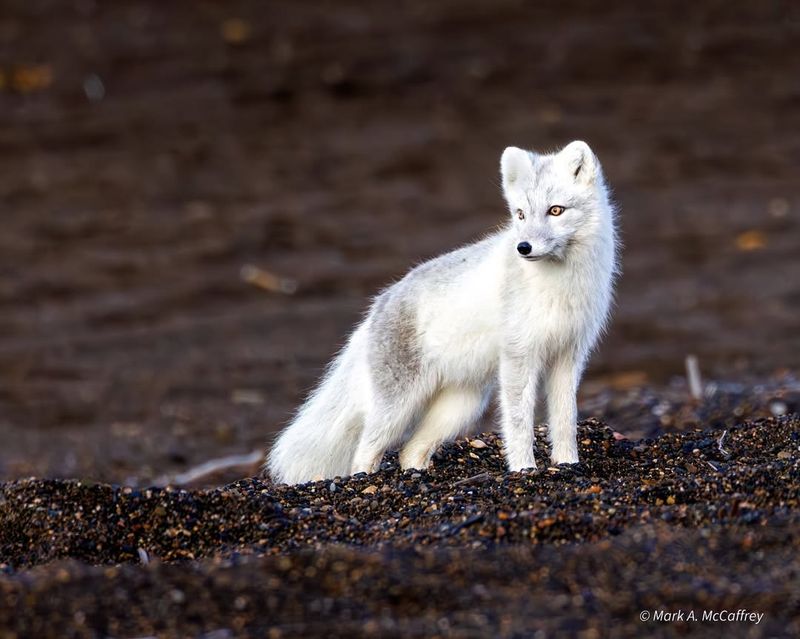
(553, 319)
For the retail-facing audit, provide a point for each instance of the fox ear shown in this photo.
(578, 159)
(514, 163)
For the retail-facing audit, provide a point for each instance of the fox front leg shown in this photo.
(518, 380)
(561, 385)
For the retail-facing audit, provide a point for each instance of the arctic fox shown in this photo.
(515, 312)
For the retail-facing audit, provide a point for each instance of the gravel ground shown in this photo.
(701, 520)
(163, 164)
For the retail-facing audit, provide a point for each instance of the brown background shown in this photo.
(149, 151)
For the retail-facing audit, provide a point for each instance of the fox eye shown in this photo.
(520, 214)
(555, 210)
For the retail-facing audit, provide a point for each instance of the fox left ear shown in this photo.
(578, 159)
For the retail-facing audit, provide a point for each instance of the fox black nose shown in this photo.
(524, 248)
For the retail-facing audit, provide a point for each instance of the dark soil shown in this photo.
(701, 520)
(153, 155)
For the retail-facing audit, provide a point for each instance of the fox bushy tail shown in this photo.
(321, 440)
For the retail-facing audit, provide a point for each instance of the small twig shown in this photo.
(693, 377)
(268, 281)
(474, 519)
(721, 439)
(212, 467)
(713, 467)
(469, 480)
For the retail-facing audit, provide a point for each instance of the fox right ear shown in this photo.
(514, 163)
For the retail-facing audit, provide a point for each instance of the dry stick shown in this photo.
(693, 377)
(469, 480)
(721, 439)
(214, 466)
(268, 281)
(474, 519)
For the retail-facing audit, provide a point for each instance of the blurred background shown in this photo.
(199, 198)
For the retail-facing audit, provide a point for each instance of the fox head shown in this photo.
(556, 201)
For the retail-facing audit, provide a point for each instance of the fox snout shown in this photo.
(526, 250)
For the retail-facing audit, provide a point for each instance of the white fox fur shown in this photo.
(423, 365)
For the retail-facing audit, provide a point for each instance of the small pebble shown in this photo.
(778, 408)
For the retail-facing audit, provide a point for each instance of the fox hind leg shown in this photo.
(450, 413)
(383, 428)
(368, 456)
